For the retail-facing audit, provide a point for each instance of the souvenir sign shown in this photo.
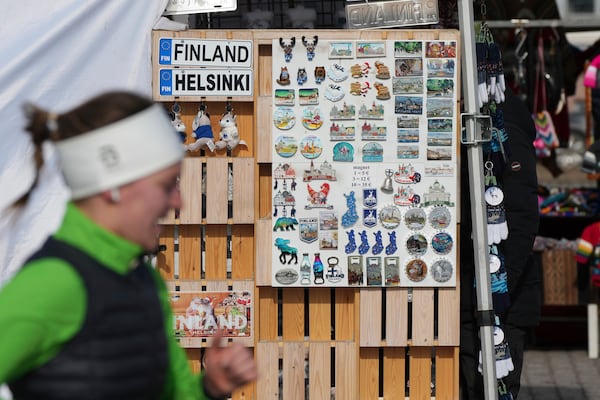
(440, 217)
(390, 216)
(311, 118)
(388, 14)
(391, 267)
(311, 147)
(373, 271)
(355, 271)
(286, 146)
(284, 118)
(416, 244)
(416, 270)
(442, 243)
(343, 152)
(442, 271)
(415, 218)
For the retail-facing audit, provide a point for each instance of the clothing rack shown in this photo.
(569, 24)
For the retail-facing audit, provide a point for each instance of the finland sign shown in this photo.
(205, 52)
(206, 82)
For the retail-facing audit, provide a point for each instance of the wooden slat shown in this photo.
(242, 252)
(346, 313)
(420, 373)
(265, 202)
(370, 317)
(191, 191)
(217, 176)
(267, 356)
(448, 323)
(165, 260)
(319, 371)
(244, 112)
(320, 314)
(215, 257)
(293, 370)
(189, 252)
(193, 356)
(422, 317)
(394, 373)
(265, 68)
(243, 190)
(396, 317)
(346, 369)
(264, 250)
(293, 313)
(446, 373)
(369, 373)
(263, 117)
(266, 314)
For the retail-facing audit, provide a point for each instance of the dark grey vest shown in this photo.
(120, 351)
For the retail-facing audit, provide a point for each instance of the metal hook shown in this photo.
(522, 34)
(228, 106)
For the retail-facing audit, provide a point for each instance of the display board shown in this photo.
(364, 167)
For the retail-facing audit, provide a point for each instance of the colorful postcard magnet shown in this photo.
(285, 97)
(307, 97)
(372, 152)
(284, 118)
(286, 146)
(311, 146)
(343, 152)
(311, 118)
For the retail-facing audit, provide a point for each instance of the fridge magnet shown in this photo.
(440, 108)
(355, 271)
(391, 268)
(284, 97)
(308, 97)
(388, 187)
(383, 93)
(341, 50)
(328, 220)
(310, 45)
(285, 223)
(305, 270)
(443, 169)
(287, 46)
(440, 217)
(309, 228)
(318, 199)
(287, 253)
(407, 152)
(415, 218)
(358, 71)
(407, 174)
(416, 270)
(320, 74)
(337, 73)
(283, 200)
(392, 247)
(439, 153)
(372, 152)
(407, 122)
(381, 71)
(378, 246)
(284, 77)
(286, 276)
(286, 146)
(284, 172)
(328, 240)
(364, 246)
(440, 87)
(370, 197)
(439, 124)
(324, 173)
(439, 49)
(343, 152)
(406, 196)
(351, 245)
(229, 136)
(334, 272)
(441, 271)
(390, 216)
(370, 49)
(408, 136)
(408, 105)
(407, 85)
(284, 118)
(373, 132)
(408, 67)
(409, 48)
(441, 243)
(311, 147)
(439, 138)
(347, 111)
(369, 217)
(318, 270)
(302, 76)
(373, 271)
(177, 122)
(416, 244)
(202, 131)
(334, 93)
(436, 195)
(311, 118)
(437, 68)
(375, 112)
(339, 132)
(360, 88)
(350, 217)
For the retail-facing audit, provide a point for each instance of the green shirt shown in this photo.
(44, 306)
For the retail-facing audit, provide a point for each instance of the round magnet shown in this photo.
(416, 244)
(416, 270)
(442, 243)
(415, 218)
(286, 276)
(441, 271)
(284, 118)
(311, 147)
(311, 118)
(494, 196)
(390, 216)
(286, 146)
(494, 263)
(440, 217)
(498, 336)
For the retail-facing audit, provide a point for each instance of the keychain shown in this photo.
(202, 131)
(496, 214)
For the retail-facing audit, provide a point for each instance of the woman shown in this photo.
(86, 315)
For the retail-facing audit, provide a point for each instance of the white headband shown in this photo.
(119, 153)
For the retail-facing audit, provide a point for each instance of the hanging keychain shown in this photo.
(496, 214)
(177, 122)
(498, 280)
(202, 131)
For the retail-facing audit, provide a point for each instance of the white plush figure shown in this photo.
(178, 125)
(229, 136)
(202, 132)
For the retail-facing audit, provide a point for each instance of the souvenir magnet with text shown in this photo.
(334, 273)
(373, 271)
(391, 266)
(355, 271)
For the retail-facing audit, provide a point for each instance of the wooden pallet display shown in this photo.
(367, 343)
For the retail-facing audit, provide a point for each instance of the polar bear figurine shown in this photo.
(229, 136)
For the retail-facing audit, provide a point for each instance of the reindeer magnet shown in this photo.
(310, 46)
(287, 47)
